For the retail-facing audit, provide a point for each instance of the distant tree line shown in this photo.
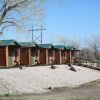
(89, 49)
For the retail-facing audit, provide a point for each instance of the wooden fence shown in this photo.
(88, 63)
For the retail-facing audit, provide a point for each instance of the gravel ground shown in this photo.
(38, 79)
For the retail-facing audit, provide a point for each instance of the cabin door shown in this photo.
(10, 56)
(44, 56)
(32, 56)
(24, 56)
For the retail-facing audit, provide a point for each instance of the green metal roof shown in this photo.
(70, 48)
(62, 47)
(48, 46)
(8, 42)
(28, 44)
(33, 44)
(1, 43)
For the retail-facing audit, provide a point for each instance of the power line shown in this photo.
(39, 38)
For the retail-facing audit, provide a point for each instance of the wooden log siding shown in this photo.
(2, 56)
(24, 58)
(57, 57)
(43, 56)
(68, 56)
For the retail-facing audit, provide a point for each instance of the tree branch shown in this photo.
(6, 10)
(3, 28)
(8, 22)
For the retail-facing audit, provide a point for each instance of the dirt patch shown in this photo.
(87, 91)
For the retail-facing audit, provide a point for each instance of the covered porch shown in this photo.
(9, 53)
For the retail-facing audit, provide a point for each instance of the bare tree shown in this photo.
(74, 43)
(68, 42)
(94, 45)
(62, 40)
(18, 12)
(91, 48)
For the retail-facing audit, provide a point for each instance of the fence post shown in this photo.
(91, 62)
(98, 64)
(86, 62)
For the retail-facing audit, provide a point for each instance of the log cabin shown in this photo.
(70, 54)
(60, 54)
(9, 53)
(29, 53)
(46, 53)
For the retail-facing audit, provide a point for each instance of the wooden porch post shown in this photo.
(6, 50)
(47, 56)
(70, 57)
(19, 56)
(29, 56)
(53, 55)
(65, 55)
(39, 56)
(60, 56)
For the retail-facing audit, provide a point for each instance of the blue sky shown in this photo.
(73, 20)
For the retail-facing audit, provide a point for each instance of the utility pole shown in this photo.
(39, 29)
(32, 33)
(41, 33)
(39, 38)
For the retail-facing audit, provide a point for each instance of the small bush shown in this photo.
(72, 69)
(69, 65)
(49, 88)
(7, 94)
(53, 67)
